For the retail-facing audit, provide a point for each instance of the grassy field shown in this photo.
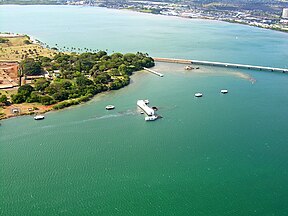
(19, 48)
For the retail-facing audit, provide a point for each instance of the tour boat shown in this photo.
(110, 107)
(151, 118)
(198, 95)
(39, 117)
(224, 91)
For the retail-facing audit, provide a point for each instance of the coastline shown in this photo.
(118, 76)
(164, 15)
(51, 109)
(46, 109)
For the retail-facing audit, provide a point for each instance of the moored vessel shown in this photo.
(151, 118)
(39, 117)
(198, 94)
(110, 107)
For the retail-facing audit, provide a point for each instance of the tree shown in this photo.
(101, 53)
(3, 99)
(27, 42)
(25, 90)
(3, 40)
(83, 81)
(34, 97)
(103, 78)
(41, 84)
(129, 57)
(18, 98)
(46, 100)
(23, 94)
(61, 95)
(31, 67)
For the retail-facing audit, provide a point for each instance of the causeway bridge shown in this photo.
(221, 64)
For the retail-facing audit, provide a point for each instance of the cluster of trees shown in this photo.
(31, 67)
(80, 76)
(3, 40)
(3, 100)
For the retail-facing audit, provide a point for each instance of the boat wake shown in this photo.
(116, 115)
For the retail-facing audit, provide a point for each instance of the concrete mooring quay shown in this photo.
(221, 64)
(154, 72)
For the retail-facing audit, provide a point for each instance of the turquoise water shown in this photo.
(216, 155)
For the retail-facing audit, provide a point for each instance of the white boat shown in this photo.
(39, 117)
(198, 94)
(188, 67)
(109, 107)
(224, 91)
(151, 118)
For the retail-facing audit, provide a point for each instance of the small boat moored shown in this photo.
(188, 67)
(39, 117)
(224, 91)
(198, 94)
(155, 108)
(110, 107)
(151, 118)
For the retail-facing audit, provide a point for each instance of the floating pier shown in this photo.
(222, 64)
(148, 110)
(154, 72)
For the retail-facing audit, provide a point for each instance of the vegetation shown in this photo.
(3, 100)
(75, 78)
(21, 47)
(31, 67)
(3, 40)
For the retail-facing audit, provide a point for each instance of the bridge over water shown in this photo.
(222, 64)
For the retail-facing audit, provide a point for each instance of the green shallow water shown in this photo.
(215, 155)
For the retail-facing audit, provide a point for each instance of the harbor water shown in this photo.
(215, 155)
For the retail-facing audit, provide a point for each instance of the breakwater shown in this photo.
(222, 64)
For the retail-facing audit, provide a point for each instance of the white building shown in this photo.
(285, 13)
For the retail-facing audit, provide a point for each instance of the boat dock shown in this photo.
(149, 111)
(154, 72)
(222, 64)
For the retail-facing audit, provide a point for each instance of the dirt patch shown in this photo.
(8, 75)
(23, 109)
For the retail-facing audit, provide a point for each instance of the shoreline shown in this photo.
(97, 96)
(10, 108)
(51, 109)
(174, 16)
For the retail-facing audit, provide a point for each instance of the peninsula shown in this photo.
(34, 78)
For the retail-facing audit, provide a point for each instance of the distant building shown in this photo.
(285, 13)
